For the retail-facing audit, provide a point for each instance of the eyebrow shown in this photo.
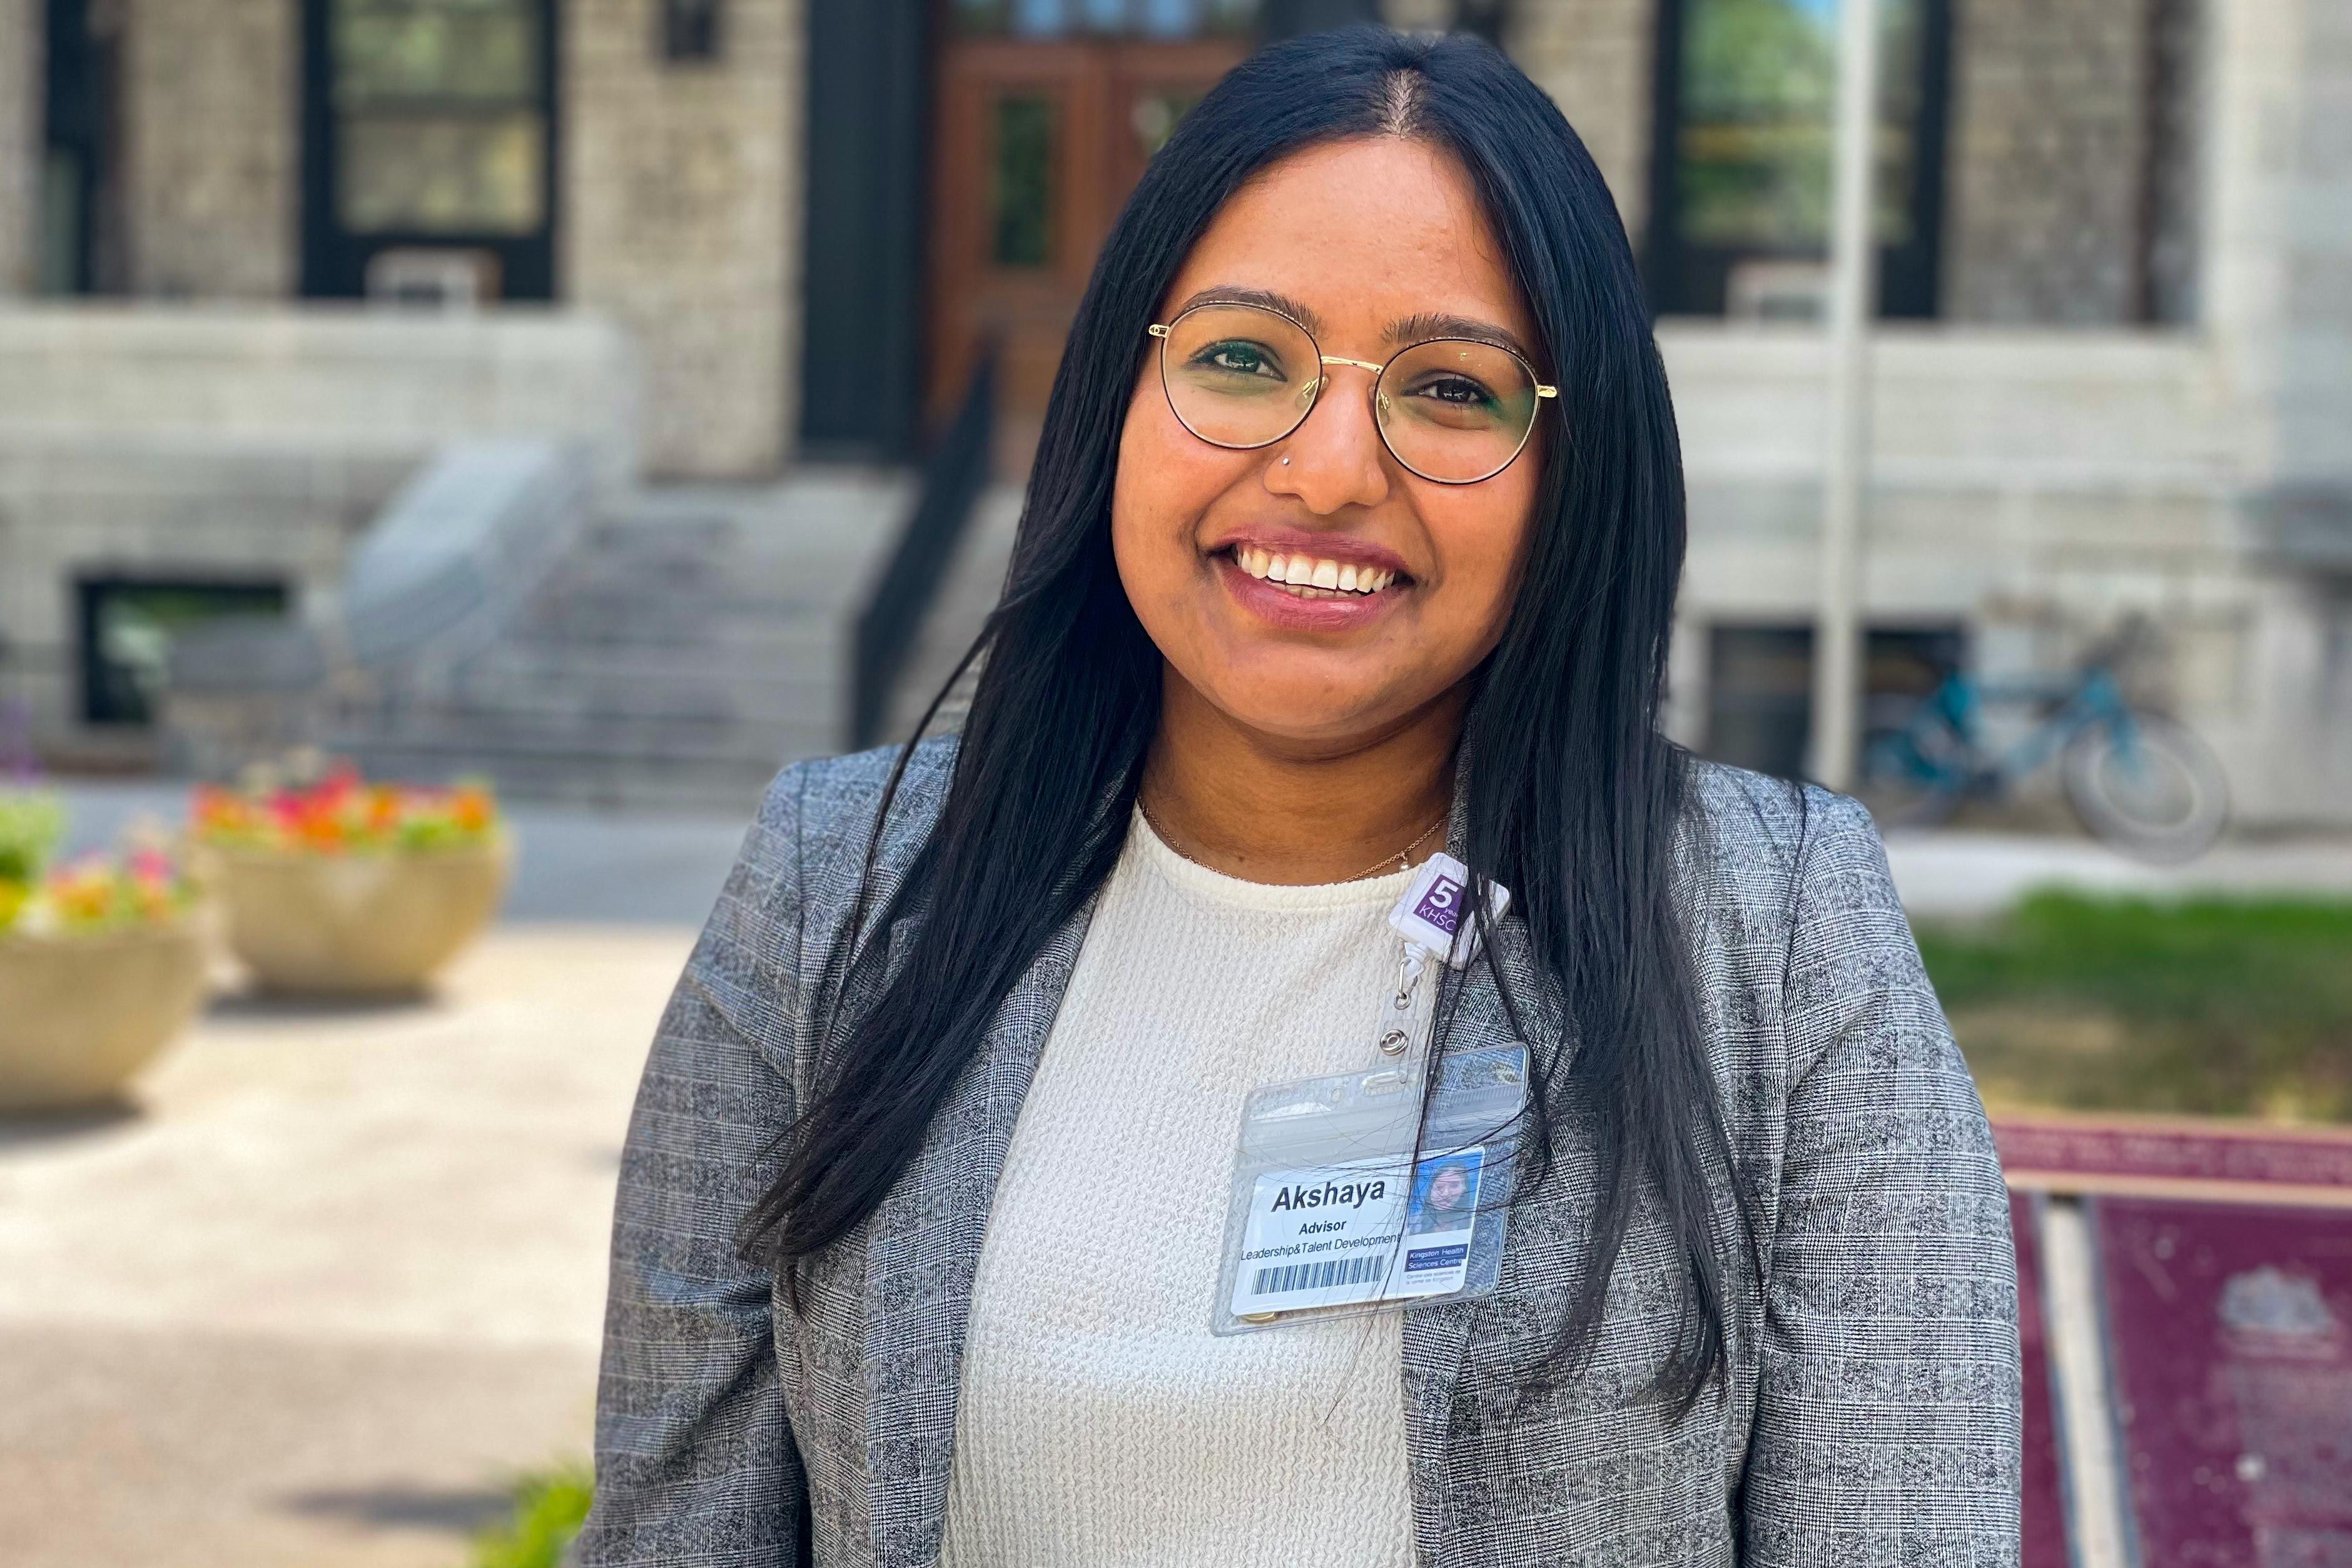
(1264, 298)
(1421, 328)
(1418, 328)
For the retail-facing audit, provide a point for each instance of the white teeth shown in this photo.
(1305, 571)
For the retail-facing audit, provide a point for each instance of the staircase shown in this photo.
(686, 647)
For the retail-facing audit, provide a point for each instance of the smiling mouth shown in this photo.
(1312, 577)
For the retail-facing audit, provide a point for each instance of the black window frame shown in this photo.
(261, 598)
(1688, 279)
(335, 260)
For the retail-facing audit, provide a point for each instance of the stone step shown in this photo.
(695, 640)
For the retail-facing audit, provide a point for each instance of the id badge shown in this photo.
(1346, 1235)
(1346, 1199)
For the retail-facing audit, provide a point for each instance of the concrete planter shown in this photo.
(80, 1015)
(356, 923)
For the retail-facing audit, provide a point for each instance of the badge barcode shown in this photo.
(1288, 1276)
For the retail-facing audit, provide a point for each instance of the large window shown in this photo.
(1740, 201)
(430, 145)
(127, 625)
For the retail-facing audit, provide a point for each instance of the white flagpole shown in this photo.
(1853, 268)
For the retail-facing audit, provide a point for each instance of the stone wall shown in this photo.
(2277, 301)
(681, 212)
(1596, 59)
(213, 162)
(2279, 293)
(20, 143)
(2026, 485)
(2043, 220)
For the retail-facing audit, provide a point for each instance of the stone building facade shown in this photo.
(211, 149)
(2125, 385)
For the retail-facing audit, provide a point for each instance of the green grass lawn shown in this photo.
(548, 1511)
(2214, 1006)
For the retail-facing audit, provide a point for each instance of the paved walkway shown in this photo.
(338, 1277)
(1958, 874)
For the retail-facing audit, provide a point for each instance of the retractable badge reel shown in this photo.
(1346, 1198)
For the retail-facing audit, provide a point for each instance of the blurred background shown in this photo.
(609, 400)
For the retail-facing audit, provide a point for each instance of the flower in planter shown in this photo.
(334, 884)
(30, 827)
(103, 966)
(147, 885)
(95, 893)
(341, 813)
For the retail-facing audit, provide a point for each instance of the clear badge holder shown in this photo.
(1334, 1214)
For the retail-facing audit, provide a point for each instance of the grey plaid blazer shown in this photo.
(1872, 1413)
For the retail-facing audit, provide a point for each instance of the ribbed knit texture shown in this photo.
(1099, 1422)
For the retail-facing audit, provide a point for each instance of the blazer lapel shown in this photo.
(921, 1255)
(1436, 1338)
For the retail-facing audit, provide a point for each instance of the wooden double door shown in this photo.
(1037, 143)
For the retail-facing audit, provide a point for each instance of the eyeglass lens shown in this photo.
(1455, 411)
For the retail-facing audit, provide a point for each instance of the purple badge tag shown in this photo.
(1441, 904)
(1430, 913)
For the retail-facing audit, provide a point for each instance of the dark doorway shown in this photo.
(1745, 96)
(869, 89)
(429, 146)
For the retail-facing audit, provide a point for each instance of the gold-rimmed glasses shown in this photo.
(1453, 410)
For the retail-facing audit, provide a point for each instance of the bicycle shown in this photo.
(2138, 780)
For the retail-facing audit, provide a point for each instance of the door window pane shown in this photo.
(423, 173)
(405, 49)
(441, 116)
(1024, 193)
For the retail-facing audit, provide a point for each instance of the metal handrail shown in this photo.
(954, 477)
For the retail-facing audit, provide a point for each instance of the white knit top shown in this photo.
(1099, 1422)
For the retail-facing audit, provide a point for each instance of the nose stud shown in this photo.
(1285, 462)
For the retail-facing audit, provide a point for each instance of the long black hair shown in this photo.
(1566, 794)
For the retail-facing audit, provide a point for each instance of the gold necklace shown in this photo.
(1403, 857)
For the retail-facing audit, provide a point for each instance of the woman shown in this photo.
(1354, 529)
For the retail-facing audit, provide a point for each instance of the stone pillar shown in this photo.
(20, 144)
(2278, 239)
(2277, 297)
(212, 109)
(680, 217)
(2048, 161)
(1596, 59)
